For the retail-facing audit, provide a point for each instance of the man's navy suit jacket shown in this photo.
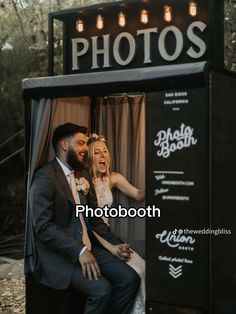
(58, 231)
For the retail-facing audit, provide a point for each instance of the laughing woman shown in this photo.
(104, 181)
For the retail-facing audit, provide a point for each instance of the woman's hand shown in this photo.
(122, 251)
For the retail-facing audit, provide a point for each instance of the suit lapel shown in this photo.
(61, 178)
(65, 185)
(83, 200)
(78, 175)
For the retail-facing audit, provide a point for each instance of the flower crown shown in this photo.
(94, 137)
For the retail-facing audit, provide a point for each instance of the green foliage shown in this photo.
(23, 53)
(230, 34)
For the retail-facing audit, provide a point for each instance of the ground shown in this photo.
(12, 296)
(12, 286)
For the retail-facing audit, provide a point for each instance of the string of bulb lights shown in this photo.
(144, 17)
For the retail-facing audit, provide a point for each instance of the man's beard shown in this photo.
(73, 161)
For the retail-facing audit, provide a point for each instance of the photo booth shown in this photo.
(190, 169)
(170, 127)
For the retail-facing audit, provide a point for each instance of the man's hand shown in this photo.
(122, 251)
(89, 265)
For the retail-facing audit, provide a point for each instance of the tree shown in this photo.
(230, 34)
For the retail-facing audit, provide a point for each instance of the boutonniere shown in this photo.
(82, 185)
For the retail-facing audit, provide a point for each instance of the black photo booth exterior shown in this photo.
(190, 172)
(190, 142)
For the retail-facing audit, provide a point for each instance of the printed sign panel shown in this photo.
(137, 34)
(177, 181)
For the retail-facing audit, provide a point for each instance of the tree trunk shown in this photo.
(19, 18)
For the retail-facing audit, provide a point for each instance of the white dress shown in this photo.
(104, 197)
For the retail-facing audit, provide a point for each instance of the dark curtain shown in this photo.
(42, 113)
(121, 119)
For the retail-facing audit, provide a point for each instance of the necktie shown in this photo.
(85, 237)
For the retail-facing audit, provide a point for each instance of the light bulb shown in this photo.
(193, 8)
(100, 22)
(144, 16)
(79, 26)
(167, 13)
(121, 19)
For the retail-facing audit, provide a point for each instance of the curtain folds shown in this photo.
(42, 114)
(121, 119)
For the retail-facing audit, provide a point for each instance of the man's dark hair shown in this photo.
(64, 131)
